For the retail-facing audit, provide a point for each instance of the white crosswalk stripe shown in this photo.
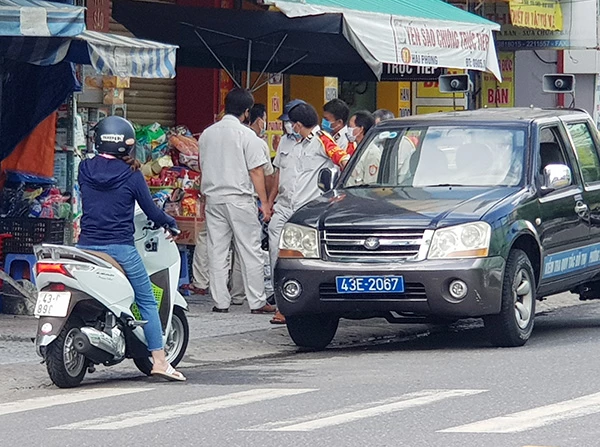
(158, 414)
(534, 418)
(64, 398)
(344, 416)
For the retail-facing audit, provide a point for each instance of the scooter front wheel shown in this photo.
(175, 346)
(66, 367)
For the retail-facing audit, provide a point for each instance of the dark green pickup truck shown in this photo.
(448, 216)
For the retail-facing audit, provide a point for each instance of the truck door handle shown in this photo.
(581, 208)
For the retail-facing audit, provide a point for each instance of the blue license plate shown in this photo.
(369, 284)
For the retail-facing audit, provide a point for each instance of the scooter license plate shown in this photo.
(52, 304)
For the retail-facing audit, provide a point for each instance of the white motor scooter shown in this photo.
(86, 309)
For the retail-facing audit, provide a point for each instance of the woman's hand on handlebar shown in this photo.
(172, 233)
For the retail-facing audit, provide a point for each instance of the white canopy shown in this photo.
(385, 38)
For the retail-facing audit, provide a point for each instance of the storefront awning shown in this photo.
(123, 56)
(319, 37)
(40, 18)
(107, 53)
(427, 33)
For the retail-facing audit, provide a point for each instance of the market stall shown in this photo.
(44, 132)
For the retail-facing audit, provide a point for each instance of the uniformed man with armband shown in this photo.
(300, 168)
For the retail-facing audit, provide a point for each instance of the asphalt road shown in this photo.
(440, 389)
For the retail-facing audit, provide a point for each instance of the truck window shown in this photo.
(433, 156)
(551, 149)
(587, 155)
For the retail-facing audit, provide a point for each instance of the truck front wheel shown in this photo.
(312, 331)
(514, 324)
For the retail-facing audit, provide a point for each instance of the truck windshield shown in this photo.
(440, 156)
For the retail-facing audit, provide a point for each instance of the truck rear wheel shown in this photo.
(514, 324)
(312, 331)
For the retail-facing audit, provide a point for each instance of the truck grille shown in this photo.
(413, 291)
(373, 244)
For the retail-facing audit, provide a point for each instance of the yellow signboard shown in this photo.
(431, 89)
(274, 111)
(537, 14)
(500, 94)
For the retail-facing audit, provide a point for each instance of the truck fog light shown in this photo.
(458, 289)
(292, 289)
(46, 328)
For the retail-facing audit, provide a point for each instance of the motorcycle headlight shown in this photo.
(470, 240)
(298, 242)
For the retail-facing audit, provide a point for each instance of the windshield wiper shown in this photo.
(441, 185)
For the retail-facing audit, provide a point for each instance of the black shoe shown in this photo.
(271, 300)
(221, 311)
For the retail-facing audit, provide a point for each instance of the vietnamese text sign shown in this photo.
(500, 94)
(538, 14)
(578, 31)
(399, 72)
(274, 111)
(420, 44)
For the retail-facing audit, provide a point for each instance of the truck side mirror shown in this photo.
(556, 177)
(328, 177)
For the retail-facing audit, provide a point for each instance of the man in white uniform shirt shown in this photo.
(299, 161)
(232, 160)
(335, 121)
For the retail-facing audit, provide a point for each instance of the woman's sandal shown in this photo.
(170, 374)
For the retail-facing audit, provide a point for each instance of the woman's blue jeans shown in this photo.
(129, 258)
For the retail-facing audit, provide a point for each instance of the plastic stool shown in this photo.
(16, 264)
(184, 272)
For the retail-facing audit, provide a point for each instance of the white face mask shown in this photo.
(350, 134)
(289, 127)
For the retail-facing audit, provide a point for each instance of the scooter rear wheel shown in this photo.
(66, 367)
(176, 343)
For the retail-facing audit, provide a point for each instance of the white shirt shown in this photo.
(341, 137)
(311, 158)
(268, 166)
(285, 161)
(228, 150)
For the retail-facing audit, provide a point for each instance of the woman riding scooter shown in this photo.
(110, 187)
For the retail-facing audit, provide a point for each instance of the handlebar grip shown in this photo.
(174, 231)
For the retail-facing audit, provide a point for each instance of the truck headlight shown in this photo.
(298, 242)
(470, 240)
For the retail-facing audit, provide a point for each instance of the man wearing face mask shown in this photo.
(299, 169)
(358, 126)
(258, 123)
(335, 118)
(232, 161)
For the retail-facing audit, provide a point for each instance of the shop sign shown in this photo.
(418, 43)
(578, 27)
(404, 105)
(274, 111)
(537, 14)
(97, 15)
(399, 72)
(331, 88)
(500, 94)
(431, 89)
